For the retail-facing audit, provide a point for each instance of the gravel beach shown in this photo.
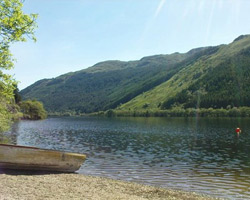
(78, 186)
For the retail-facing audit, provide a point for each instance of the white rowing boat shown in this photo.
(32, 158)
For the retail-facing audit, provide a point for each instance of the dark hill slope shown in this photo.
(109, 84)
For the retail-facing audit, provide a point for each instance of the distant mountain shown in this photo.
(208, 77)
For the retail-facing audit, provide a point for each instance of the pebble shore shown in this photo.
(78, 186)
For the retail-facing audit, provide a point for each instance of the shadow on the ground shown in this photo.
(28, 172)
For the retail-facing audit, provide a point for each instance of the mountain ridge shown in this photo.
(134, 84)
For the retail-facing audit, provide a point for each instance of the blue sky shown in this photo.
(76, 34)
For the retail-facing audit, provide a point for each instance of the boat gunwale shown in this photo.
(36, 148)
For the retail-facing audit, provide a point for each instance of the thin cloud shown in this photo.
(201, 6)
(151, 22)
(159, 8)
(210, 19)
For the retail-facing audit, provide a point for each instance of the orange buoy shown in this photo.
(238, 130)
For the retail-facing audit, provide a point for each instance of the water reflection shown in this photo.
(202, 155)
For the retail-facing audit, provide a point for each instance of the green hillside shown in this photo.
(104, 85)
(221, 79)
(206, 77)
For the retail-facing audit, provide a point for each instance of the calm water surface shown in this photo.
(201, 155)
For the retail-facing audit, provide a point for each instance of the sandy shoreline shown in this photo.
(78, 186)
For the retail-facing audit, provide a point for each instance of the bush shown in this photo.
(9, 112)
(110, 113)
(5, 118)
(181, 112)
(32, 109)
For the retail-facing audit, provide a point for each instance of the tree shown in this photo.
(14, 26)
(17, 95)
(32, 109)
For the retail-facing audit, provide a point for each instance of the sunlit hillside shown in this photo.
(217, 80)
(205, 77)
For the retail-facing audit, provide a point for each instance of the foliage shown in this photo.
(32, 109)
(5, 117)
(17, 95)
(180, 112)
(8, 112)
(14, 26)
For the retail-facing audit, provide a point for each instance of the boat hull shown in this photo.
(31, 158)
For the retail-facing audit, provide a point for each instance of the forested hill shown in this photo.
(212, 74)
(218, 80)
